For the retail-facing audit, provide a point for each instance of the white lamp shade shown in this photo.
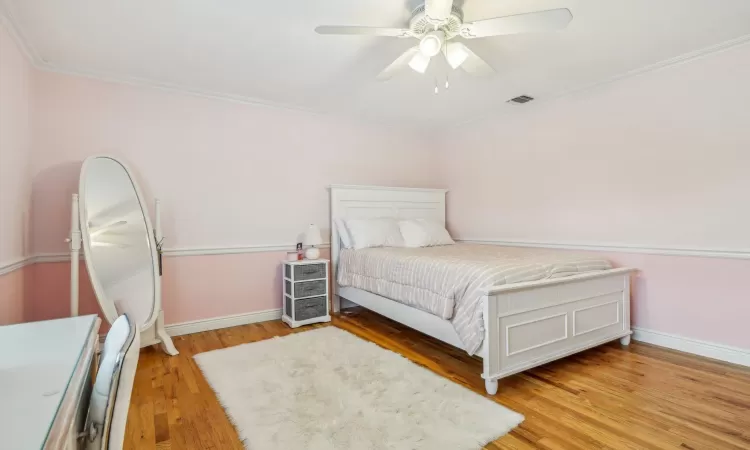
(419, 62)
(312, 236)
(456, 53)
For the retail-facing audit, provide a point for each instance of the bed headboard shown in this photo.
(362, 202)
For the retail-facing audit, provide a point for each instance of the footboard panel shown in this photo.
(531, 324)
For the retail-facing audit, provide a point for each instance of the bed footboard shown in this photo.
(529, 324)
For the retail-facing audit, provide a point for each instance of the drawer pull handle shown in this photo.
(310, 272)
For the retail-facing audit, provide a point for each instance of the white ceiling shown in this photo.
(268, 51)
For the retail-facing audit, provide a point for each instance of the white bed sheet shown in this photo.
(449, 281)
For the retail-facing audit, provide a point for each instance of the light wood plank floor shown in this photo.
(637, 397)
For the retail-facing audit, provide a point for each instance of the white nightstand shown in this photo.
(305, 292)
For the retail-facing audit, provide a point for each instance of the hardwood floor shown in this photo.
(637, 397)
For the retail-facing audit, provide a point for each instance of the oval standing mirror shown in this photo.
(119, 244)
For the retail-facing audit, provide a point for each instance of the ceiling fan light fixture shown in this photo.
(419, 62)
(435, 22)
(431, 44)
(455, 54)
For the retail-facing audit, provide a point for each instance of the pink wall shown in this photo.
(657, 160)
(229, 174)
(50, 296)
(15, 184)
(694, 297)
(197, 287)
(15, 288)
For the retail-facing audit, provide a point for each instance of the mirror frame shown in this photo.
(109, 310)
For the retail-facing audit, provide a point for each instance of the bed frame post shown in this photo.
(625, 340)
(335, 250)
(490, 336)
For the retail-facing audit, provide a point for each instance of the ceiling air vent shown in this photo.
(521, 99)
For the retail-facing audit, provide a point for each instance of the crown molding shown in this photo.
(677, 60)
(9, 22)
(144, 83)
(618, 248)
(7, 16)
(174, 88)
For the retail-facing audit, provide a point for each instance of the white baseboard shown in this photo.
(721, 352)
(215, 323)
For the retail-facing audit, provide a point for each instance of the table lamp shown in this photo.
(312, 239)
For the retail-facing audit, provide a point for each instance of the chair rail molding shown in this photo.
(13, 265)
(618, 248)
(40, 258)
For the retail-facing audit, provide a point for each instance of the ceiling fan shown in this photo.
(437, 22)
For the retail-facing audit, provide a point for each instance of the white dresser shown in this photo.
(45, 381)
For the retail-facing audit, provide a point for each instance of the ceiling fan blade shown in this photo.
(553, 19)
(459, 55)
(397, 65)
(437, 10)
(363, 31)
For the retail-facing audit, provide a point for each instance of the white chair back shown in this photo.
(124, 390)
(110, 397)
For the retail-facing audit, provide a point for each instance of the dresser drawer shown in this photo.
(309, 308)
(309, 272)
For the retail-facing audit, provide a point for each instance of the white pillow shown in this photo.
(346, 240)
(424, 233)
(382, 232)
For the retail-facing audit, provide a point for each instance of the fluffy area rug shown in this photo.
(327, 389)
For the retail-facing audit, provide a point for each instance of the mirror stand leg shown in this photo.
(164, 339)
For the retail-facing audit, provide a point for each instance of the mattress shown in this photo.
(450, 280)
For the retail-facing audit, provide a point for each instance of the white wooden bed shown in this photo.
(526, 324)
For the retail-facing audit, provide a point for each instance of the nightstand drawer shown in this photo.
(309, 272)
(305, 288)
(309, 288)
(310, 307)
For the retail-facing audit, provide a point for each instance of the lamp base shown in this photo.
(312, 253)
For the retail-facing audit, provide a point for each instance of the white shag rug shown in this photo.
(327, 389)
